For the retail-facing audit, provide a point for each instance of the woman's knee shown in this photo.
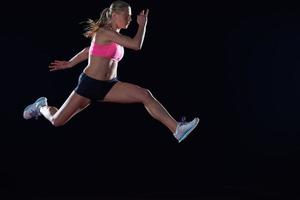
(146, 95)
(57, 122)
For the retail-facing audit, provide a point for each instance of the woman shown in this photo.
(98, 81)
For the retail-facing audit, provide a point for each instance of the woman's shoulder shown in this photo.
(106, 34)
(102, 36)
(104, 30)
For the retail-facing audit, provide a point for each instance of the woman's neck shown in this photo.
(113, 27)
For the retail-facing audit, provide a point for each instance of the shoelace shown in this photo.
(183, 120)
(181, 123)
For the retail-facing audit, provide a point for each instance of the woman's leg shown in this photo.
(123, 92)
(58, 117)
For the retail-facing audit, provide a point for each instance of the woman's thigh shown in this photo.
(123, 92)
(74, 104)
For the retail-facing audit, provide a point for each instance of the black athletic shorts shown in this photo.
(92, 88)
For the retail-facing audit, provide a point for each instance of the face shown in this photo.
(123, 18)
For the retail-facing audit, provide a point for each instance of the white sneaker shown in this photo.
(33, 110)
(185, 128)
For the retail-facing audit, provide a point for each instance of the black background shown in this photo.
(234, 65)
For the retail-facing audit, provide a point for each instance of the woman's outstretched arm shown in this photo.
(62, 64)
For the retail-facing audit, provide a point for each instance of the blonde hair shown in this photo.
(104, 19)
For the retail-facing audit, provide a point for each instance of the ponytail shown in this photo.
(93, 26)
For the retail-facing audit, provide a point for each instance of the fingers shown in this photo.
(57, 65)
(57, 62)
(147, 11)
(144, 13)
(52, 68)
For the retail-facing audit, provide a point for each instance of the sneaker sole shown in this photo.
(37, 101)
(189, 131)
(24, 116)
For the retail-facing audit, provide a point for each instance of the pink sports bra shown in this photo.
(111, 50)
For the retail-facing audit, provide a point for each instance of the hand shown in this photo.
(142, 18)
(59, 65)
